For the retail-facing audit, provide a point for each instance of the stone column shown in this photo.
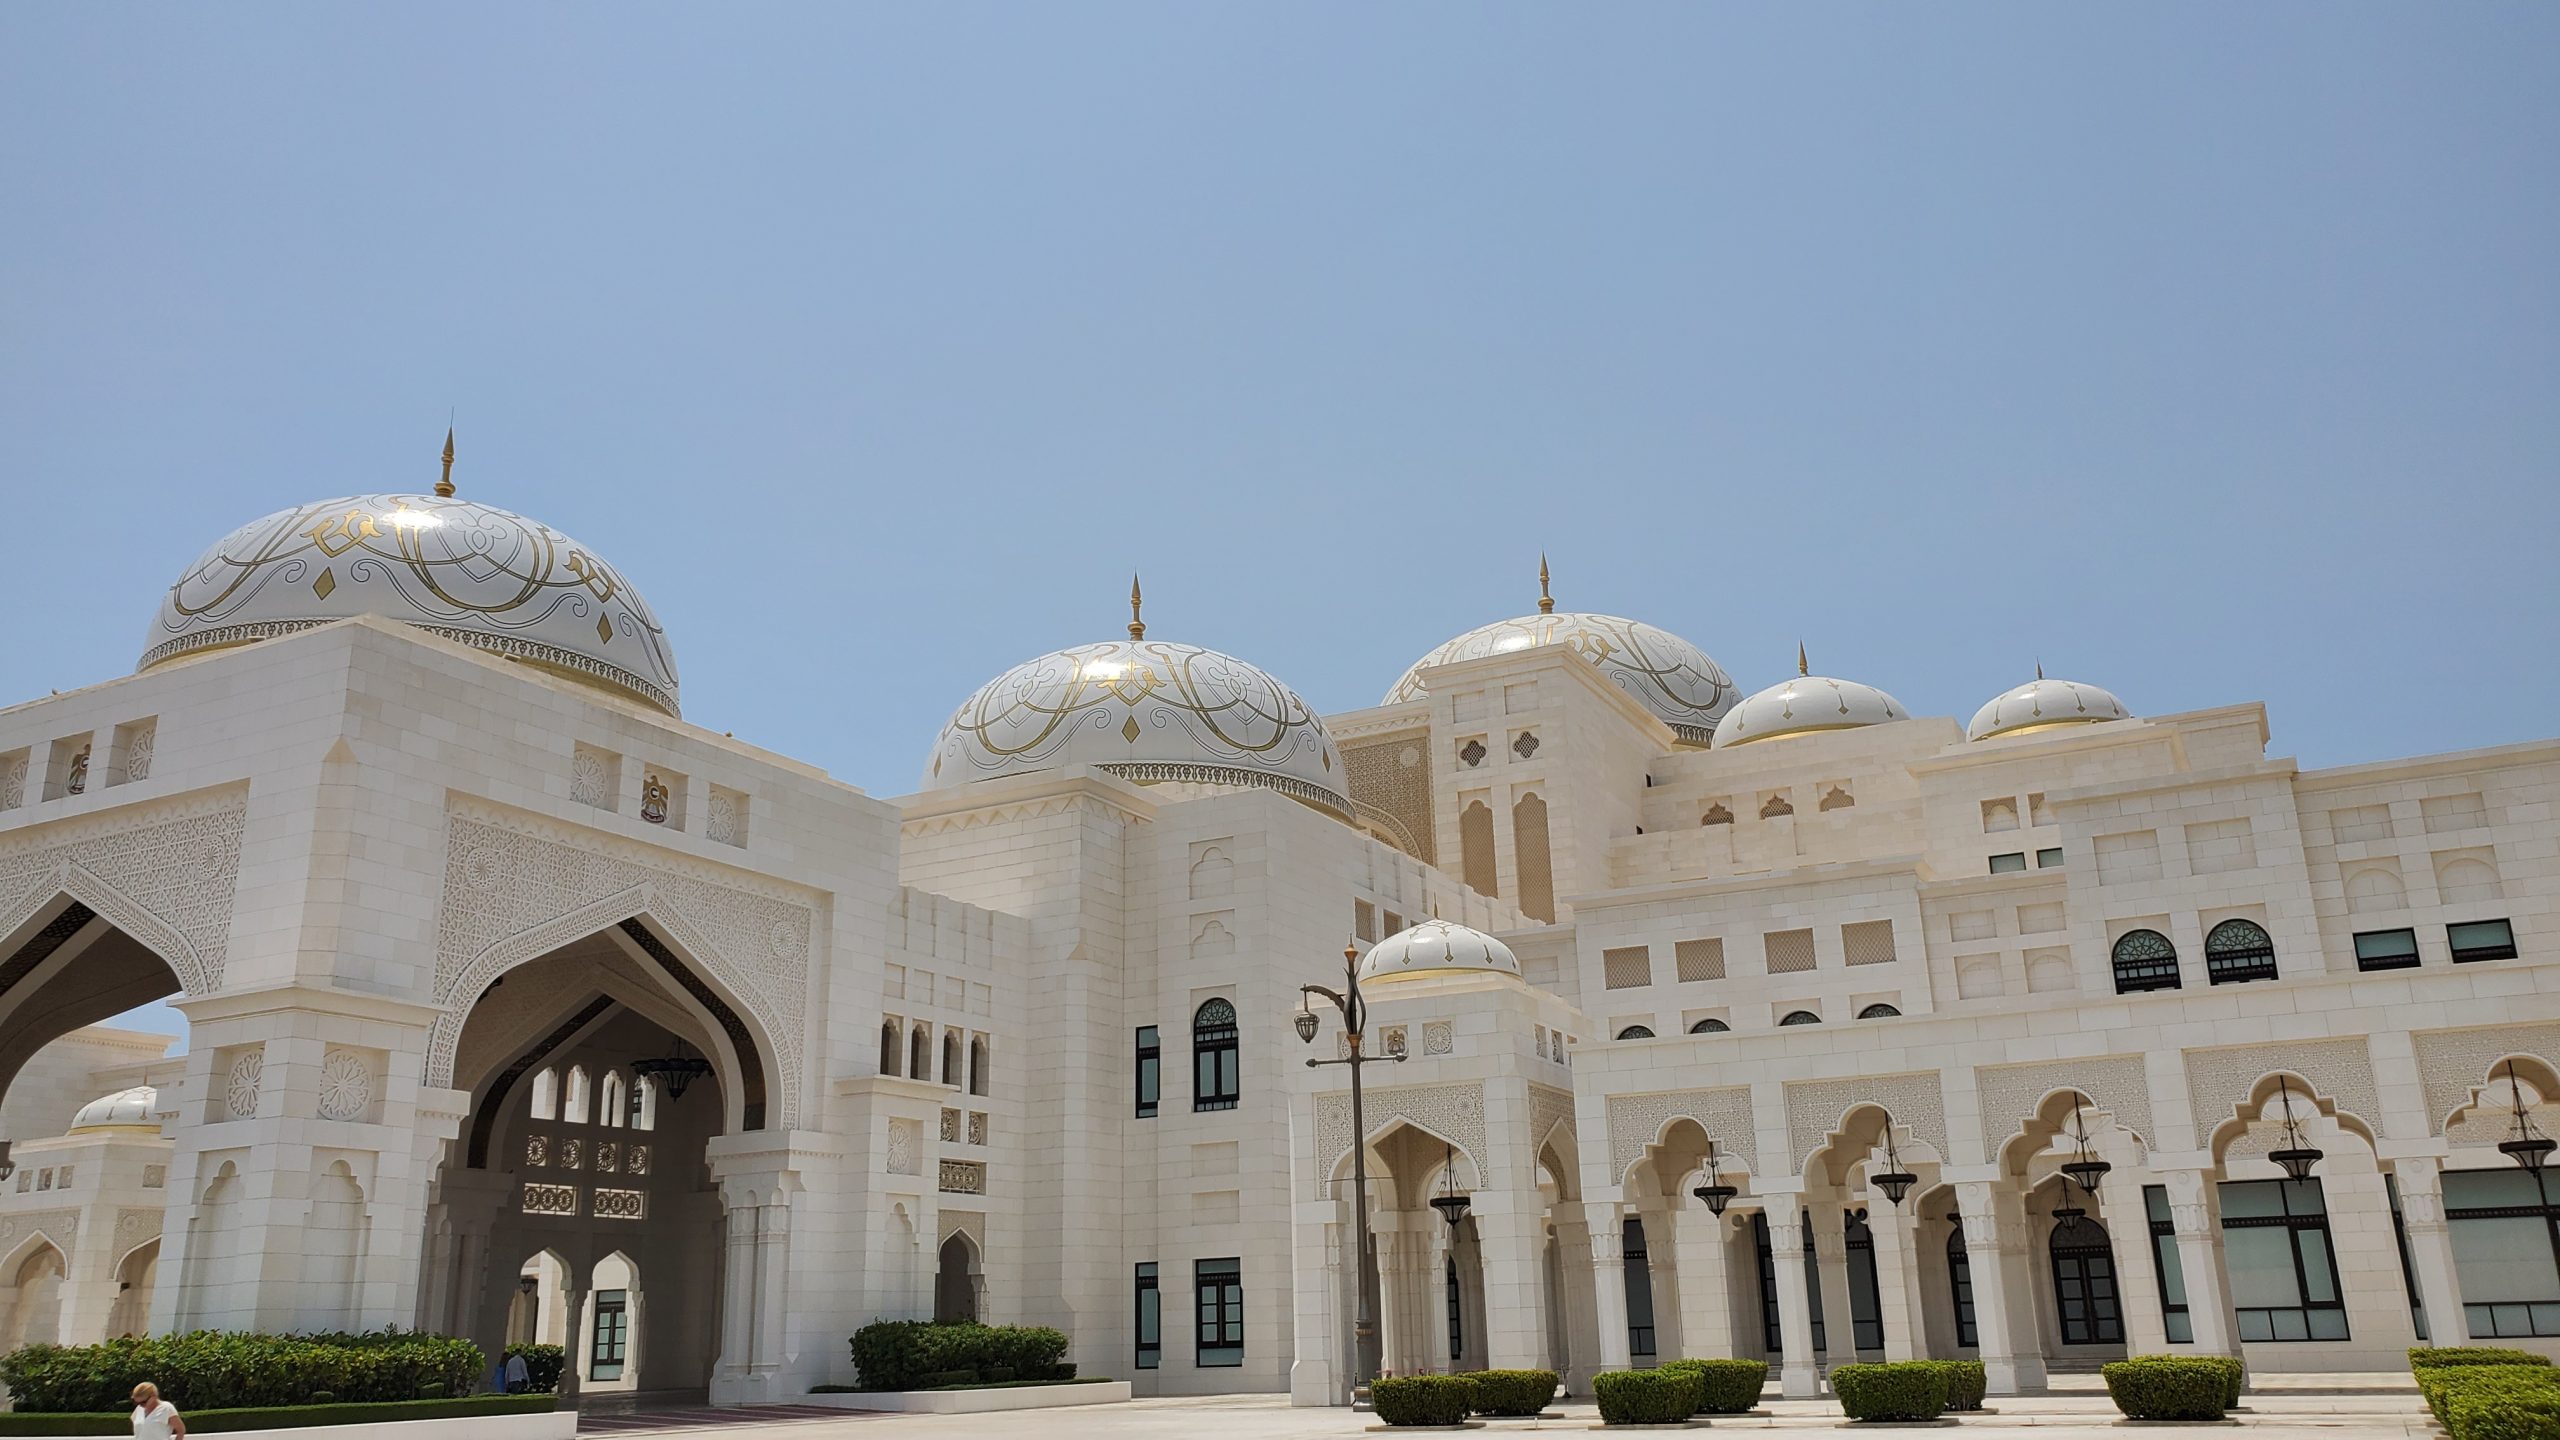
(2421, 1179)
(2128, 1221)
(1906, 1335)
(1662, 1268)
(573, 1349)
(1609, 1286)
(1990, 1233)
(1585, 1323)
(737, 1288)
(1831, 1266)
(1799, 1369)
(1510, 1238)
(1706, 1304)
(769, 1344)
(2197, 1218)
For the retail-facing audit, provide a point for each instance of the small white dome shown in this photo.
(1806, 705)
(1664, 673)
(2041, 704)
(124, 1110)
(1147, 710)
(1437, 947)
(471, 573)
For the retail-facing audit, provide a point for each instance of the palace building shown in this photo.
(1700, 1022)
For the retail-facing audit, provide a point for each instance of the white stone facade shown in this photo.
(411, 891)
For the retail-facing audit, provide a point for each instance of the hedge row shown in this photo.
(542, 1366)
(1513, 1393)
(1450, 1399)
(2483, 1393)
(222, 1369)
(2174, 1387)
(290, 1417)
(1648, 1397)
(1895, 1390)
(920, 1355)
(1725, 1387)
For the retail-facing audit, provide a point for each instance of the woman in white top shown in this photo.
(153, 1417)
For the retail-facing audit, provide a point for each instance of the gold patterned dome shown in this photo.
(1667, 675)
(1806, 705)
(1437, 947)
(1152, 711)
(2042, 704)
(469, 572)
(124, 1110)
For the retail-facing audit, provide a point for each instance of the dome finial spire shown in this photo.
(1546, 601)
(444, 487)
(2039, 667)
(1137, 622)
(1801, 667)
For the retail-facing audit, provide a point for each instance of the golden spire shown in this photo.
(1546, 602)
(1801, 667)
(444, 487)
(1137, 624)
(2039, 669)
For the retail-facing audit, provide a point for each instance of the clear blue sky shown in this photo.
(2207, 352)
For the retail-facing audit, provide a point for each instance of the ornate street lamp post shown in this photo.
(1355, 1015)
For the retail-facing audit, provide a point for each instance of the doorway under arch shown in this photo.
(956, 1279)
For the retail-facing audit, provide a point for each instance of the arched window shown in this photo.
(644, 1104)
(614, 1106)
(1709, 1026)
(546, 1094)
(978, 1066)
(951, 1058)
(573, 1096)
(888, 1047)
(1636, 1032)
(1878, 1011)
(1801, 1017)
(2145, 960)
(1215, 1083)
(2238, 950)
(920, 1053)
(2084, 1283)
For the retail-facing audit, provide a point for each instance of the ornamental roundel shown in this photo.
(1664, 673)
(240, 1091)
(471, 573)
(1148, 710)
(346, 1086)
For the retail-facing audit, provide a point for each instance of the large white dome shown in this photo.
(1147, 710)
(2041, 704)
(1667, 675)
(1437, 947)
(124, 1110)
(1806, 705)
(472, 573)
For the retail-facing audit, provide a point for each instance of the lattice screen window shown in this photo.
(1869, 942)
(1364, 919)
(1789, 951)
(1699, 959)
(1628, 968)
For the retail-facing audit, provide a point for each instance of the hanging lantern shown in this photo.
(1305, 1020)
(1895, 1182)
(675, 1071)
(2525, 1145)
(1451, 1205)
(2298, 1155)
(2084, 1167)
(1715, 1192)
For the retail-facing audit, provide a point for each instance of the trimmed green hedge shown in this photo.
(1646, 1397)
(1423, 1399)
(1725, 1387)
(1514, 1392)
(2477, 1401)
(2423, 1357)
(2172, 1387)
(287, 1417)
(542, 1366)
(207, 1370)
(919, 1355)
(1967, 1383)
(1896, 1390)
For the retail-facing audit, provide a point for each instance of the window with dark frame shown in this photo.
(2049, 858)
(2012, 863)
(2084, 1283)
(612, 1335)
(1636, 1032)
(1149, 1304)
(1218, 1309)
(2408, 1270)
(2481, 940)
(1960, 1287)
(1866, 1298)
(1801, 1017)
(2144, 960)
(2506, 1252)
(1215, 1082)
(2386, 949)
(2282, 1264)
(2175, 1321)
(2238, 950)
(1150, 1070)
(1457, 1310)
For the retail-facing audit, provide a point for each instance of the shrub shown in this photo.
(1898, 1390)
(2466, 1393)
(1646, 1397)
(2506, 1413)
(542, 1366)
(1966, 1382)
(218, 1369)
(1726, 1387)
(945, 1379)
(902, 1354)
(220, 1421)
(1514, 1392)
(2171, 1387)
(2423, 1357)
(1423, 1399)
(2235, 1372)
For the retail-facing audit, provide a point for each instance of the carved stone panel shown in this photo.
(2218, 1081)
(1814, 1108)
(164, 875)
(2451, 1063)
(2116, 1084)
(1724, 1113)
(1453, 1112)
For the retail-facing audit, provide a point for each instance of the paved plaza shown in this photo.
(2347, 1407)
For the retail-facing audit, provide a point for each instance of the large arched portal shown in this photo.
(65, 964)
(599, 1075)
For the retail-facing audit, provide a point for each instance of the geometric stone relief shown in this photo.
(2218, 1081)
(517, 887)
(240, 1086)
(1636, 1121)
(1548, 1108)
(1455, 1113)
(133, 1225)
(164, 875)
(59, 1226)
(2453, 1063)
(1815, 1109)
(2117, 1084)
(346, 1085)
(902, 1158)
(1437, 1037)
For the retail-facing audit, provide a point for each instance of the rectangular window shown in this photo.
(2387, 950)
(1150, 1071)
(1629, 967)
(1869, 942)
(1150, 1318)
(1789, 951)
(2482, 940)
(1364, 920)
(2164, 1263)
(1699, 959)
(1218, 1296)
(2049, 858)
(2408, 1269)
(2283, 1267)
(2010, 864)
(1215, 1081)
(613, 1335)
(2506, 1252)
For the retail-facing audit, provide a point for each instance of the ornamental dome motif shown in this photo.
(2042, 704)
(471, 573)
(1667, 675)
(124, 1110)
(1806, 705)
(1146, 710)
(1437, 947)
